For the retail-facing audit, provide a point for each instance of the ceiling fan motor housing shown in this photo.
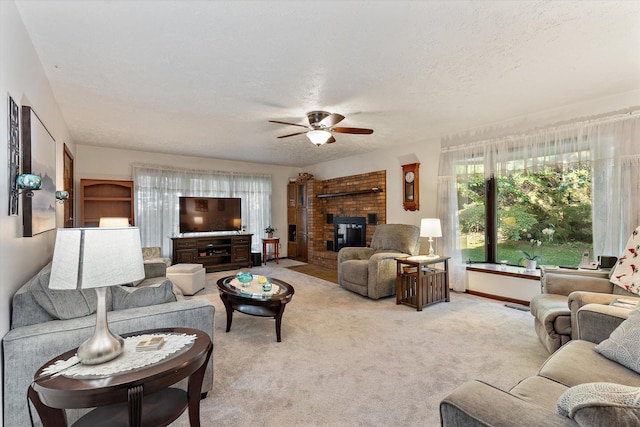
(315, 117)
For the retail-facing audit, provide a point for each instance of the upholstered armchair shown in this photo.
(153, 254)
(372, 271)
(564, 292)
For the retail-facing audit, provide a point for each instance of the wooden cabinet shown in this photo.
(100, 198)
(297, 221)
(215, 253)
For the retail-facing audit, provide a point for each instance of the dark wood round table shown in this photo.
(234, 298)
(140, 397)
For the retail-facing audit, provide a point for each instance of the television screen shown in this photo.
(202, 214)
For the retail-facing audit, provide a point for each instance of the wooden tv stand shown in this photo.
(215, 253)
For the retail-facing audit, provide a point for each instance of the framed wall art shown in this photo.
(38, 157)
(13, 155)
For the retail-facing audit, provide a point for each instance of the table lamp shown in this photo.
(113, 222)
(94, 258)
(430, 227)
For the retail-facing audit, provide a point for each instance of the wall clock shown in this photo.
(410, 187)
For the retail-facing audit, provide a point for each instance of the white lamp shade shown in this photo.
(318, 137)
(113, 222)
(430, 227)
(96, 257)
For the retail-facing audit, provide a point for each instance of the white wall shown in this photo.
(22, 77)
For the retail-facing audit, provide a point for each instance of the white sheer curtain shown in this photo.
(610, 144)
(158, 188)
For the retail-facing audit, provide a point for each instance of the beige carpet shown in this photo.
(345, 360)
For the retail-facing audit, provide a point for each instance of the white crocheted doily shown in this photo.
(130, 359)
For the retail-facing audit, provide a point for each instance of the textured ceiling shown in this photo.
(202, 78)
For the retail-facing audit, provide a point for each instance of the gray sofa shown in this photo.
(37, 336)
(533, 401)
(556, 307)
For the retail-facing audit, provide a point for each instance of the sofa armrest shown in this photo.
(595, 322)
(479, 404)
(349, 253)
(579, 299)
(564, 284)
(154, 269)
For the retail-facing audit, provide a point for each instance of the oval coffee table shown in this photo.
(255, 303)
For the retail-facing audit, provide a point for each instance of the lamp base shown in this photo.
(104, 345)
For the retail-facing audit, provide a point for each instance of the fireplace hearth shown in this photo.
(349, 231)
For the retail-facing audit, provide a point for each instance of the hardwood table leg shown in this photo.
(50, 417)
(264, 252)
(278, 318)
(276, 250)
(194, 389)
(229, 308)
(134, 399)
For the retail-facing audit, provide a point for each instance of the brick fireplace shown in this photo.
(360, 196)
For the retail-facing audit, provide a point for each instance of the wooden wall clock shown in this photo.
(410, 187)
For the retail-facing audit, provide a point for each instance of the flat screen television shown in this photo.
(203, 214)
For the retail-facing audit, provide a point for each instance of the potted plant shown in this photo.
(269, 230)
(530, 258)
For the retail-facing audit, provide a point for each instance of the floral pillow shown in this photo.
(626, 272)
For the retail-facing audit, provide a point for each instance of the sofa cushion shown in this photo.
(539, 391)
(605, 403)
(626, 273)
(577, 362)
(623, 345)
(63, 304)
(131, 297)
(355, 271)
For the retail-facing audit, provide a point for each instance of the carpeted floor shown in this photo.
(316, 271)
(346, 360)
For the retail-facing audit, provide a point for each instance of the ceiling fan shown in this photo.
(321, 124)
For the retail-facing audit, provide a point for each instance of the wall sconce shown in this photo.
(62, 196)
(27, 182)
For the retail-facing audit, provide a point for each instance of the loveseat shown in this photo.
(564, 383)
(47, 323)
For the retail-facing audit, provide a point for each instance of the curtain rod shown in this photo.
(185, 170)
(633, 113)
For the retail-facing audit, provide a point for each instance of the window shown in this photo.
(158, 189)
(545, 214)
(586, 173)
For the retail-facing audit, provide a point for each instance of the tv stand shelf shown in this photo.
(215, 253)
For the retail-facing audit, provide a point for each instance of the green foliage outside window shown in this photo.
(553, 206)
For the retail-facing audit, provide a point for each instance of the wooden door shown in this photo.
(68, 185)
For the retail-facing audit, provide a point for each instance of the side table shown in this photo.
(134, 398)
(275, 241)
(418, 285)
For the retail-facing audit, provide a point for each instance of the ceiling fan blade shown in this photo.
(331, 120)
(330, 140)
(293, 134)
(360, 131)
(287, 123)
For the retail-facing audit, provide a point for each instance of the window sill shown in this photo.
(511, 271)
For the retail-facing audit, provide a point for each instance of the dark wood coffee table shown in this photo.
(140, 397)
(234, 298)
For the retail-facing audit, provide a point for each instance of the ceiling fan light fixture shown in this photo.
(319, 137)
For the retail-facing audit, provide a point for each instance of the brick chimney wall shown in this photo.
(350, 205)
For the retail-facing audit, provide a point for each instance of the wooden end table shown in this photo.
(275, 241)
(418, 284)
(141, 397)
